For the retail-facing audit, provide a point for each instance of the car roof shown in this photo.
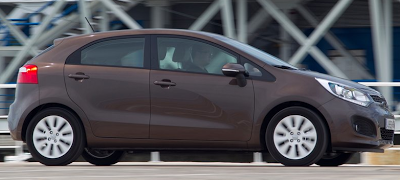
(199, 34)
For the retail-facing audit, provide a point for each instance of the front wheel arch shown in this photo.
(284, 105)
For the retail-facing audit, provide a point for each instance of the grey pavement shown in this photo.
(186, 170)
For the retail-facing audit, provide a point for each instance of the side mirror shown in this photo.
(238, 71)
(232, 70)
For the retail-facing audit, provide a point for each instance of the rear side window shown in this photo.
(127, 52)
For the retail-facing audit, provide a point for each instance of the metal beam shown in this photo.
(227, 18)
(334, 41)
(9, 51)
(242, 20)
(104, 26)
(19, 59)
(167, 16)
(284, 48)
(388, 10)
(381, 21)
(378, 84)
(207, 15)
(320, 31)
(34, 19)
(388, 65)
(69, 22)
(376, 22)
(257, 20)
(157, 17)
(20, 8)
(21, 37)
(85, 13)
(122, 15)
(261, 18)
(2, 91)
(296, 33)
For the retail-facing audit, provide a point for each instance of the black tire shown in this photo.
(302, 148)
(63, 126)
(102, 157)
(335, 159)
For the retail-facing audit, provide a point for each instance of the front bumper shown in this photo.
(355, 128)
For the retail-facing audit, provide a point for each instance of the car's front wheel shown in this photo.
(296, 136)
(334, 159)
(55, 137)
(100, 157)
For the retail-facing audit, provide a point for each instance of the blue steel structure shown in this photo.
(25, 24)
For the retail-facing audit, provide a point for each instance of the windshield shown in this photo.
(261, 55)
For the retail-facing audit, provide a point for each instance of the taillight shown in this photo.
(28, 74)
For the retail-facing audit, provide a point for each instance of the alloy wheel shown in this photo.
(295, 137)
(53, 136)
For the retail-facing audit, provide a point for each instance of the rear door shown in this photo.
(109, 80)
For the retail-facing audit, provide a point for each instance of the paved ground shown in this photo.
(178, 170)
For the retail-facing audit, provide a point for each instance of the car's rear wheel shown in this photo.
(334, 159)
(296, 136)
(55, 137)
(100, 157)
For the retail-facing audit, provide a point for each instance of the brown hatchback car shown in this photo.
(99, 94)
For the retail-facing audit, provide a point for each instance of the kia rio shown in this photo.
(101, 94)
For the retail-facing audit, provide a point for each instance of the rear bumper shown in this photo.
(343, 116)
(26, 99)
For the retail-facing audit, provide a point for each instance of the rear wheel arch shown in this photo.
(32, 114)
(284, 105)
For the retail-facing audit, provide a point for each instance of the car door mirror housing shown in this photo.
(238, 71)
(232, 70)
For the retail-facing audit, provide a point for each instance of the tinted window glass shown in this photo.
(253, 71)
(261, 55)
(256, 72)
(127, 52)
(192, 56)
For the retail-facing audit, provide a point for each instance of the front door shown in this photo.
(190, 97)
(109, 80)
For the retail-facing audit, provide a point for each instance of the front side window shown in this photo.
(127, 52)
(261, 55)
(253, 71)
(192, 56)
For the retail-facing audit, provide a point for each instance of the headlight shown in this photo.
(345, 92)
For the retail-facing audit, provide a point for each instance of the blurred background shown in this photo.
(352, 39)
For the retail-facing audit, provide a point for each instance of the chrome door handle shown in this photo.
(164, 83)
(79, 76)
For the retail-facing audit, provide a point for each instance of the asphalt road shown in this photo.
(182, 170)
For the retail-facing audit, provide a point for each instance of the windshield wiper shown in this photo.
(284, 67)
